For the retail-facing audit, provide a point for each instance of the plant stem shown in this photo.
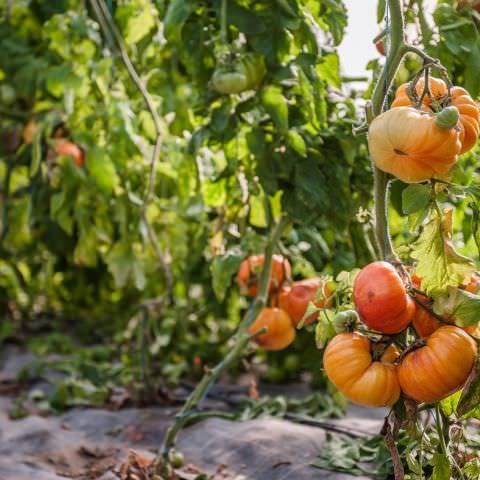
(115, 38)
(398, 48)
(223, 22)
(241, 340)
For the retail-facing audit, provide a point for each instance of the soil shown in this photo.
(89, 443)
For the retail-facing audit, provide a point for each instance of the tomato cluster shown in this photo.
(290, 300)
(373, 373)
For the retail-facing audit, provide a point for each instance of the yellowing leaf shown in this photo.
(462, 306)
(439, 264)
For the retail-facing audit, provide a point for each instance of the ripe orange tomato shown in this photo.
(248, 276)
(294, 299)
(280, 330)
(381, 298)
(460, 98)
(440, 368)
(409, 144)
(349, 365)
(425, 323)
(67, 148)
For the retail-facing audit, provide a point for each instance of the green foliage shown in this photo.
(75, 240)
(439, 265)
(356, 456)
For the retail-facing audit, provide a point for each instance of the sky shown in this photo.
(357, 47)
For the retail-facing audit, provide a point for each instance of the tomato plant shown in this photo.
(201, 132)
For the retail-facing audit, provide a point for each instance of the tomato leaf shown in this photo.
(439, 264)
(276, 105)
(177, 14)
(459, 304)
(381, 7)
(123, 265)
(285, 6)
(470, 397)
(223, 267)
(296, 141)
(324, 330)
(102, 170)
(449, 404)
(329, 70)
(139, 25)
(441, 467)
(415, 197)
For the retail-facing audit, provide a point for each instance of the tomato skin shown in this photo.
(407, 143)
(349, 365)
(381, 298)
(226, 82)
(280, 330)
(440, 368)
(294, 299)
(425, 323)
(248, 276)
(67, 148)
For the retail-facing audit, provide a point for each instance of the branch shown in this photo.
(113, 35)
(6, 201)
(389, 436)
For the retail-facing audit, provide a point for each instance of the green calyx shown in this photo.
(345, 321)
(447, 118)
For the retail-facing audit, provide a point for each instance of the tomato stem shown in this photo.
(398, 48)
(240, 341)
(223, 22)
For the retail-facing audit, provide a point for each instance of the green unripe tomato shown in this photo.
(7, 94)
(229, 81)
(244, 73)
(177, 460)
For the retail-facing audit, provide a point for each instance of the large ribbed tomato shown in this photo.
(280, 330)
(409, 144)
(250, 269)
(294, 299)
(439, 368)
(425, 323)
(381, 298)
(350, 367)
(460, 98)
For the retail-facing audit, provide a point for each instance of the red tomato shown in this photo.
(294, 299)
(248, 276)
(381, 298)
